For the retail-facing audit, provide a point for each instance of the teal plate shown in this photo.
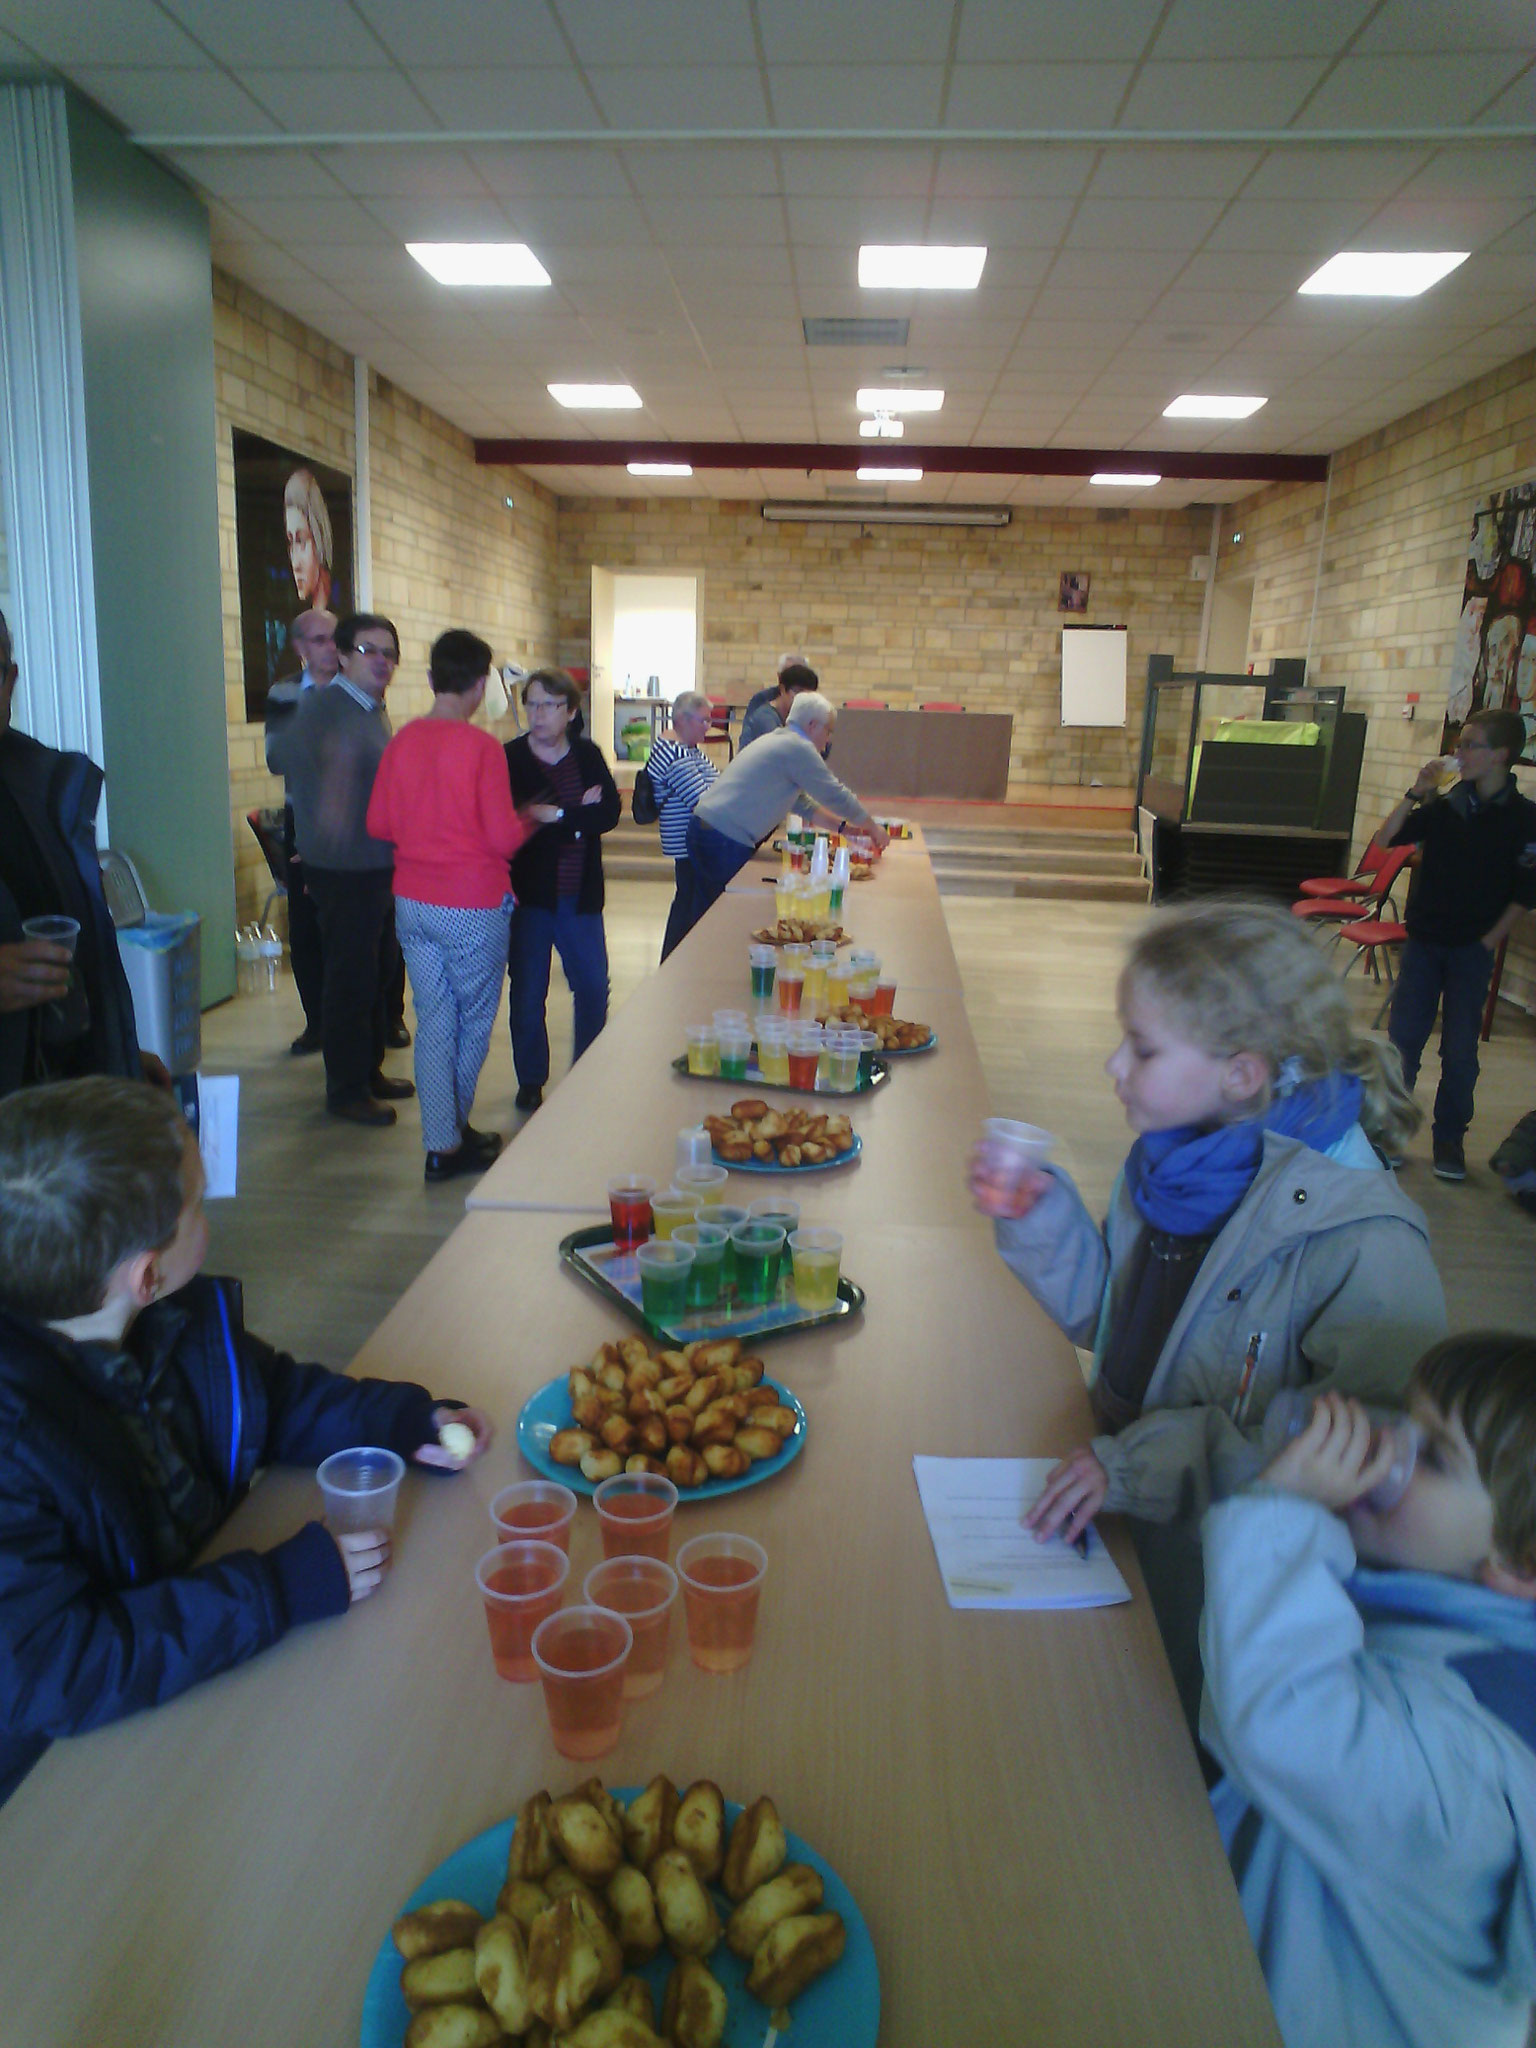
(848, 1158)
(550, 1409)
(840, 2010)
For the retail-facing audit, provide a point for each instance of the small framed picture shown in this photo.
(1074, 591)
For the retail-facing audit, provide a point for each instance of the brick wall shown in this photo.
(908, 613)
(1394, 555)
(445, 549)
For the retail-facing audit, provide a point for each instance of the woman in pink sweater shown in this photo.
(441, 797)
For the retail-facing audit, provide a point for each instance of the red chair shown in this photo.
(941, 707)
(720, 726)
(1373, 936)
(1374, 892)
(1348, 885)
(865, 704)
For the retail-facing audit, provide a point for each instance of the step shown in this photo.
(1076, 887)
(990, 839)
(1053, 858)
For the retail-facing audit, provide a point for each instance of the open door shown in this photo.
(601, 662)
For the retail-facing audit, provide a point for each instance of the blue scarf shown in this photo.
(1502, 1677)
(1188, 1181)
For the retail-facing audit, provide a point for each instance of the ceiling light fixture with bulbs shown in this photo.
(1193, 405)
(889, 476)
(1382, 274)
(912, 267)
(596, 397)
(883, 427)
(494, 265)
(1131, 480)
(879, 398)
(659, 468)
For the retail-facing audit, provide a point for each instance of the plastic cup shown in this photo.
(756, 1248)
(360, 1488)
(835, 897)
(706, 1276)
(722, 1579)
(842, 1061)
(58, 931)
(729, 1021)
(705, 1183)
(634, 1514)
(816, 1259)
(804, 1056)
(664, 1267)
(693, 1146)
(762, 964)
(629, 1203)
(535, 1511)
(671, 1207)
(869, 1045)
(1009, 1149)
(783, 1212)
(644, 1591)
(773, 1053)
(727, 1216)
(1289, 1412)
(581, 1653)
(883, 1002)
(703, 1049)
(789, 987)
(735, 1054)
(520, 1583)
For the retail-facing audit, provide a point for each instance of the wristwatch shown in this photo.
(1411, 796)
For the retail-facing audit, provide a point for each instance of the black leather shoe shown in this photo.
(397, 1038)
(485, 1145)
(529, 1098)
(447, 1165)
(361, 1111)
(384, 1088)
(307, 1041)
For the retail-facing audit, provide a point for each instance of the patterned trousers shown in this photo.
(455, 959)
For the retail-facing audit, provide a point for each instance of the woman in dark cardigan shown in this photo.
(557, 877)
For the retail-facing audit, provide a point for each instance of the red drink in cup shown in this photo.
(722, 1579)
(521, 1584)
(883, 1001)
(629, 1202)
(644, 1591)
(634, 1512)
(581, 1653)
(536, 1510)
(803, 1061)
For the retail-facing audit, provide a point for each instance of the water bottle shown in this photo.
(1291, 1410)
(247, 956)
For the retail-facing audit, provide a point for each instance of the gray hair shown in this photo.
(811, 708)
(687, 702)
(791, 661)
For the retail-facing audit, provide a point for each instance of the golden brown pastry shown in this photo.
(532, 1853)
(794, 1953)
(695, 2011)
(448, 1978)
(501, 1972)
(609, 2027)
(796, 1889)
(456, 2026)
(633, 1905)
(444, 1924)
(757, 1849)
(686, 1911)
(632, 1995)
(572, 1959)
(570, 1446)
(648, 1822)
(590, 1843)
(522, 1900)
(699, 1830)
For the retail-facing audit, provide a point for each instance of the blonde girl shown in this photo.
(1254, 1239)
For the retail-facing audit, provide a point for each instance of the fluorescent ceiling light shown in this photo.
(595, 397)
(1387, 274)
(890, 476)
(910, 267)
(1128, 479)
(1193, 406)
(881, 428)
(660, 468)
(479, 263)
(896, 398)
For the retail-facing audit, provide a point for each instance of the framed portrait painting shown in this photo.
(1493, 656)
(293, 545)
(1072, 595)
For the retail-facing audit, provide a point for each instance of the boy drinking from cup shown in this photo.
(135, 1409)
(1371, 1693)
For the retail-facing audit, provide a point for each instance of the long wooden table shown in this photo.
(1012, 1798)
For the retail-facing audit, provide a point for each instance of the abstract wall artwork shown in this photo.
(1493, 664)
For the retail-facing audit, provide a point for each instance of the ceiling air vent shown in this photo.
(855, 333)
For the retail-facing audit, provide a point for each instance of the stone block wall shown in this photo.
(1387, 573)
(446, 551)
(911, 613)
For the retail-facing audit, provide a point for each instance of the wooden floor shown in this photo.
(333, 1222)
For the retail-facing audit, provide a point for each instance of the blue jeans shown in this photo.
(715, 861)
(1453, 979)
(583, 951)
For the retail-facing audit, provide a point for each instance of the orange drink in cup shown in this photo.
(634, 1513)
(521, 1584)
(581, 1653)
(535, 1511)
(722, 1580)
(644, 1591)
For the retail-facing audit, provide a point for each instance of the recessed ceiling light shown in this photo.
(596, 397)
(889, 476)
(1123, 479)
(878, 398)
(1193, 406)
(881, 428)
(910, 267)
(479, 263)
(660, 468)
(1384, 274)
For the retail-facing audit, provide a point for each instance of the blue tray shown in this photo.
(616, 1275)
(550, 1409)
(847, 1158)
(840, 2010)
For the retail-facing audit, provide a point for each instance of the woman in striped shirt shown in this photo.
(680, 773)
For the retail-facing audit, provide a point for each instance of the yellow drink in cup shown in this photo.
(703, 1049)
(813, 994)
(816, 1257)
(773, 1058)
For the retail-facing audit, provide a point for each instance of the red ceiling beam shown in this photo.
(945, 460)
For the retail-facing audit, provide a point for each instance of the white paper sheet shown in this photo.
(218, 1132)
(987, 1558)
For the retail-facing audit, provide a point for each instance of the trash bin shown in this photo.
(162, 958)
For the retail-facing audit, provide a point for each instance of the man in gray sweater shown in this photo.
(329, 753)
(755, 791)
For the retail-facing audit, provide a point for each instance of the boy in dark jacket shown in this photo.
(135, 1409)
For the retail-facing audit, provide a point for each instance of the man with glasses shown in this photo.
(1477, 874)
(329, 753)
(312, 636)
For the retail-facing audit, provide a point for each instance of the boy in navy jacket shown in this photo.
(135, 1409)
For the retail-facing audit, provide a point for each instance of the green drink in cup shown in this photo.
(664, 1268)
(784, 1215)
(757, 1248)
(706, 1276)
(762, 961)
(726, 1216)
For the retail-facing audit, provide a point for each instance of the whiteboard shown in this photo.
(1093, 675)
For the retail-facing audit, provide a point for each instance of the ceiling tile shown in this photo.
(702, 265)
(844, 223)
(993, 31)
(740, 222)
(152, 101)
(1114, 269)
(1212, 96)
(468, 32)
(499, 97)
(340, 222)
(1474, 173)
(1050, 95)
(1143, 224)
(99, 34)
(1440, 25)
(555, 169)
(1166, 171)
(869, 170)
(983, 170)
(382, 173)
(810, 32)
(554, 225)
(856, 95)
(443, 220)
(233, 32)
(256, 173)
(1301, 28)
(1328, 171)
(1442, 223)
(710, 31)
(679, 95)
(1516, 104)
(1308, 227)
(354, 102)
(722, 169)
(1022, 223)
(1408, 92)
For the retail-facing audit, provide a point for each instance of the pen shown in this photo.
(1080, 1545)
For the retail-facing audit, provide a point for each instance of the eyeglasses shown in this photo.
(379, 653)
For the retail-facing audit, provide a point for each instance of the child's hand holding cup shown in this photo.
(1006, 1171)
